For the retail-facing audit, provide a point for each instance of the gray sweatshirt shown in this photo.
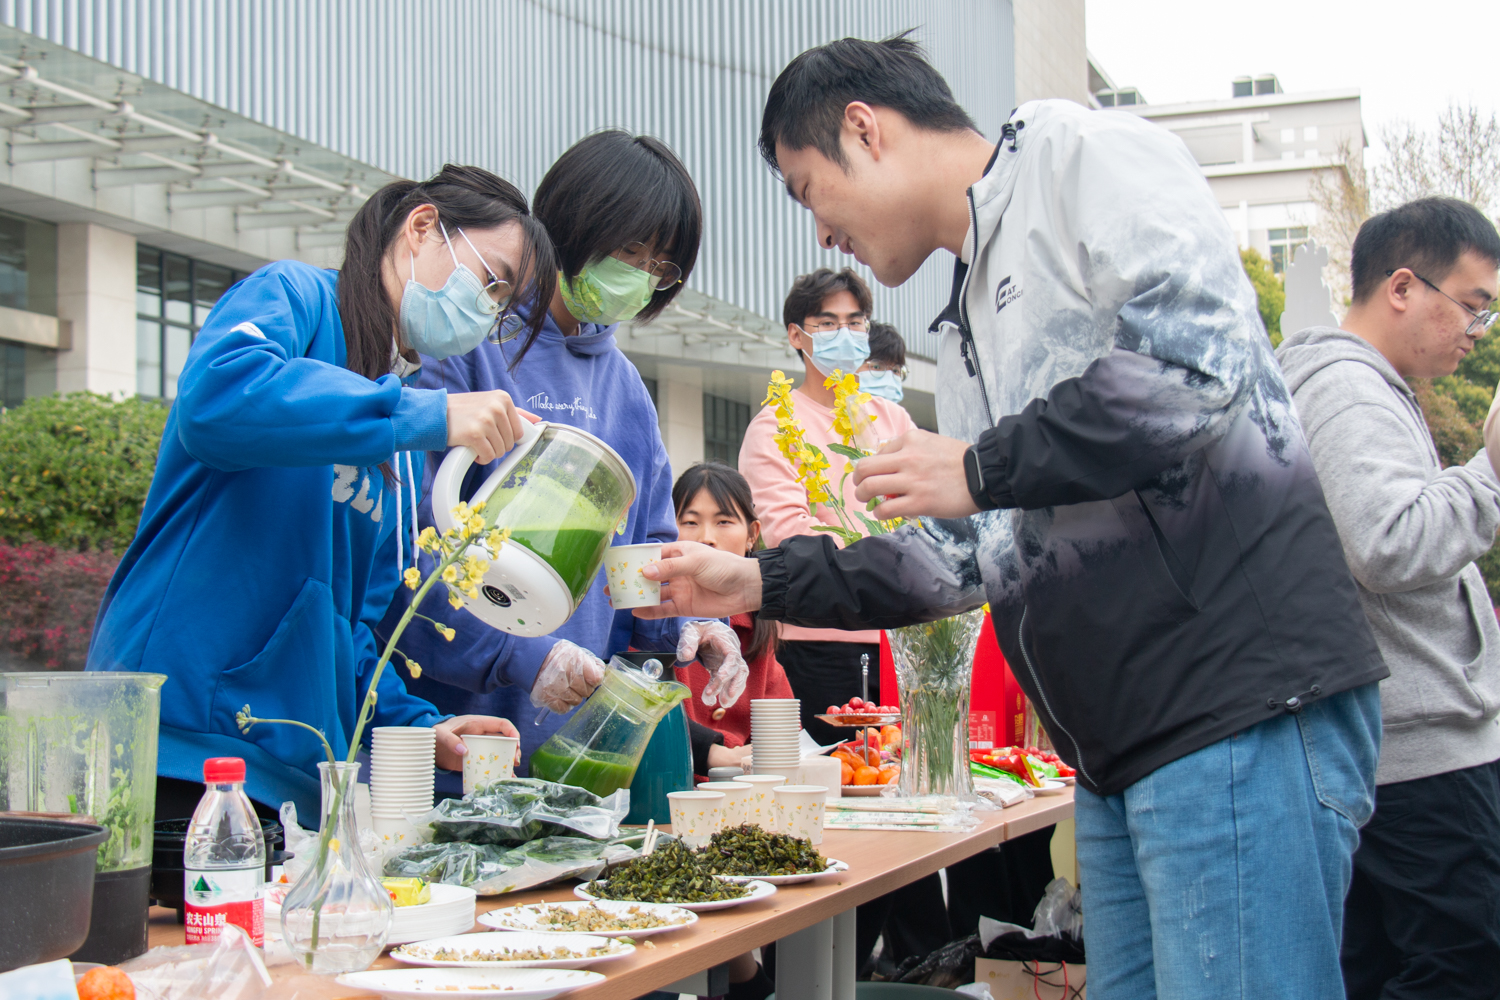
(1411, 531)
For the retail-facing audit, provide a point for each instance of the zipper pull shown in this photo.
(963, 349)
(1008, 131)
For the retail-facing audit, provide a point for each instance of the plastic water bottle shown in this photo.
(224, 858)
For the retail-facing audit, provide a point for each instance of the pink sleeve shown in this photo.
(780, 501)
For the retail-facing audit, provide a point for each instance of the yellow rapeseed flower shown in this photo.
(455, 600)
(414, 667)
(450, 574)
(412, 577)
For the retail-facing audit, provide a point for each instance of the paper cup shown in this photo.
(695, 815)
(489, 759)
(760, 808)
(736, 795)
(622, 570)
(823, 771)
(799, 811)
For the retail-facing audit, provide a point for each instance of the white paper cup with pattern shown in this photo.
(695, 815)
(736, 795)
(489, 759)
(622, 571)
(760, 808)
(799, 811)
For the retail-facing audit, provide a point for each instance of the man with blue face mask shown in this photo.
(884, 370)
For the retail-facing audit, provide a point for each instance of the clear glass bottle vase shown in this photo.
(934, 663)
(337, 917)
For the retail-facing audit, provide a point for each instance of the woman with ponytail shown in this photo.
(283, 504)
(625, 218)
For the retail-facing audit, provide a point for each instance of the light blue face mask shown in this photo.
(842, 349)
(886, 385)
(452, 320)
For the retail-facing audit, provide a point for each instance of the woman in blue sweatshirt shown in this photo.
(273, 534)
(624, 216)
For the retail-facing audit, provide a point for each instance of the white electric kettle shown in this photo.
(562, 493)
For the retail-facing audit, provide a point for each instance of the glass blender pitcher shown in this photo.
(600, 747)
(562, 492)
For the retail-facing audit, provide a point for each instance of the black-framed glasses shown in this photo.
(861, 325)
(1482, 319)
(664, 274)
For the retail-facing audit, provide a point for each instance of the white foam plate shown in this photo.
(450, 911)
(857, 790)
(418, 953)
(834, 868)
(517, 984)
(528, 918)
(758, 890)
(1068, 780)
(1051, 786)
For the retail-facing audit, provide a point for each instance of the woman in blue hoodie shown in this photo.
(274, 532)
(625, 219)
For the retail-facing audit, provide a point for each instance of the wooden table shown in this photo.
(812, 921)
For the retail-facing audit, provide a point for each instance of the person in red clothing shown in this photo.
(714, 506)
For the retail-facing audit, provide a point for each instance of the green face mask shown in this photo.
(608, 291)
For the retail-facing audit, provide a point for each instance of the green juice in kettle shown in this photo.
(568, 763)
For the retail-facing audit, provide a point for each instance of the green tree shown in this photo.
(1270, 295)
(77, 468)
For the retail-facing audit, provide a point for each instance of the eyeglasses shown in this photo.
(664, 273)
(507, 328)
(1482, 319)
(495, 295)
(900, 373)
(823, 326)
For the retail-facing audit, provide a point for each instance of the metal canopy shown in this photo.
(196, 164)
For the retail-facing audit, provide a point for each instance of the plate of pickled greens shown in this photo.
(748, 853)
(605, 917)
(676, 875)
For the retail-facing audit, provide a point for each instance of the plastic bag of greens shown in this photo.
(489, 869)
(513, 811)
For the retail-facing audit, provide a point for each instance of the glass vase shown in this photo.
(337, 917)
(934, 662)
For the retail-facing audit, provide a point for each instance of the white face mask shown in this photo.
(842, 349)
(452, 320)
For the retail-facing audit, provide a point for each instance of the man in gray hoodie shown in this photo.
(1421, 918)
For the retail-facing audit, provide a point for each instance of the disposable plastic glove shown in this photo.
(568, 675)
(1492, 433)
(715, 645)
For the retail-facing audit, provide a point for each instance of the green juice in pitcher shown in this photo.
(570, 764)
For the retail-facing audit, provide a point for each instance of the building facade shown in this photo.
(160, 148)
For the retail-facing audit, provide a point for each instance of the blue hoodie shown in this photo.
(267, 548)
(583, 380)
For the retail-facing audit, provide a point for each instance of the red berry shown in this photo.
(833, 710)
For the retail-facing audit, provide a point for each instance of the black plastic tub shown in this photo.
(166, 859)
(47, 884)
(122, 910)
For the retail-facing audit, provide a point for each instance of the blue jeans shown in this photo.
(1223, 873)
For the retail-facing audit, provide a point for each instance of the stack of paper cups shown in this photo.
(774, 727)
(402, 765)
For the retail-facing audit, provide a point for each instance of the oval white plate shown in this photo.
(1068, 780)
(415, 954)
(834, 868)
(1051, 786)
(526, 918)
(518, 984)
(862, 789)
(758, 890)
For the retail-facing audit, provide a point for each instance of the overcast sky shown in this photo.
(1407, 59)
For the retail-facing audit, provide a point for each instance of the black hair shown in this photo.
(806, 104)
(465, 198)
(612, 188)
(886, 346)
(1427, 235)
(809, 291)
(731, 491)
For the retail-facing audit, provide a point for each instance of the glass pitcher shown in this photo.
(600, 747)
(561, 492)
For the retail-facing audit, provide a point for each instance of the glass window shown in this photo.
(28, 264)
(188, 289)
(12, 374)
(1282, 241)
(724, 423)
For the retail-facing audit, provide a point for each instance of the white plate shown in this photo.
(526, 918)
(415, 954)
(518, 984)
(1052, 786)
(862, 789)
(1068, 780)
(758, 890)
(834, 868)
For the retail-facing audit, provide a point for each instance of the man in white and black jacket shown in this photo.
(1139, 510)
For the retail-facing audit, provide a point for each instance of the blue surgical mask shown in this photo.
(886, 385)
(842, 349)
(452, 320)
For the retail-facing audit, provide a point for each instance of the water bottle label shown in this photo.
(220, 896)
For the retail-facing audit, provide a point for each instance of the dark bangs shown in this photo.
(613, 188)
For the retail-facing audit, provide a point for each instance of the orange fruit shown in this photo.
(846, 773)
(106, 983)
(890, 736)
(867, 776)
(889, 774)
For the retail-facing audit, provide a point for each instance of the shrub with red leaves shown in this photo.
(48, 599)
